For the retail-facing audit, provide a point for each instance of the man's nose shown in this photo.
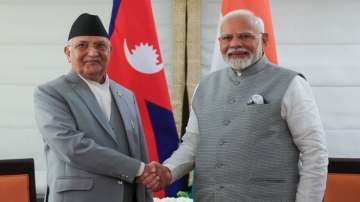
(92, 51)
(236, 42)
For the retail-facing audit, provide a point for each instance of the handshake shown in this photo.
(155, 176)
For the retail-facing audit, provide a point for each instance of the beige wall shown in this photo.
(318, 38)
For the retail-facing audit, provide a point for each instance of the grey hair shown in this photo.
(69, 42)
(258, 22)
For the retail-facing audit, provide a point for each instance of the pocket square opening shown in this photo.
(256, 99)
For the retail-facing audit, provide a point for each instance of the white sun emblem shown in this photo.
(143, 58)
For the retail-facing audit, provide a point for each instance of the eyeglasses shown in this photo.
(84, 45)
(242, 36)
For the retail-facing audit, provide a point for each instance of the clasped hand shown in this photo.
(155, 176)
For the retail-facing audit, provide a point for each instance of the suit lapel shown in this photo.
(128, 120)
(85, 94)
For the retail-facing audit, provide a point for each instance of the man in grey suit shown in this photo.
(254, 132)
(94, 142)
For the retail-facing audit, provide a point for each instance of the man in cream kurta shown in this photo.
(254, 132)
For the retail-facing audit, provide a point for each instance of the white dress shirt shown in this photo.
(300, 111)
(102, 93)
(103, 97)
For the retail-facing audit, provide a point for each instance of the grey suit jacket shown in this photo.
(83, 161)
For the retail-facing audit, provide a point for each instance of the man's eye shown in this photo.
(81, 45)
(101, 46)
(226, 38)
(246, 36)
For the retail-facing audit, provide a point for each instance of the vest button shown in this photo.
(226, 122)
(231, 101)
(219, 165)
(222, 142)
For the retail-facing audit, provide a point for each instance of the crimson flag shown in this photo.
(136, 63)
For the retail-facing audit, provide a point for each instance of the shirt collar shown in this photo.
(105, 85)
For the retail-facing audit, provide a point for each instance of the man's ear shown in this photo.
(67, 53)
(265, 39)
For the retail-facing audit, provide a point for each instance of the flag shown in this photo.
(260, 8)
(136, 63)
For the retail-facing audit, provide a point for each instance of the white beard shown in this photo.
(239, 64)
(242, 64)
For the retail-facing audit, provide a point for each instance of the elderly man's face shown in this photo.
(89, 56)
(241, 42)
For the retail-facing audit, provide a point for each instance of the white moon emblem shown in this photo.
(143, 58)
